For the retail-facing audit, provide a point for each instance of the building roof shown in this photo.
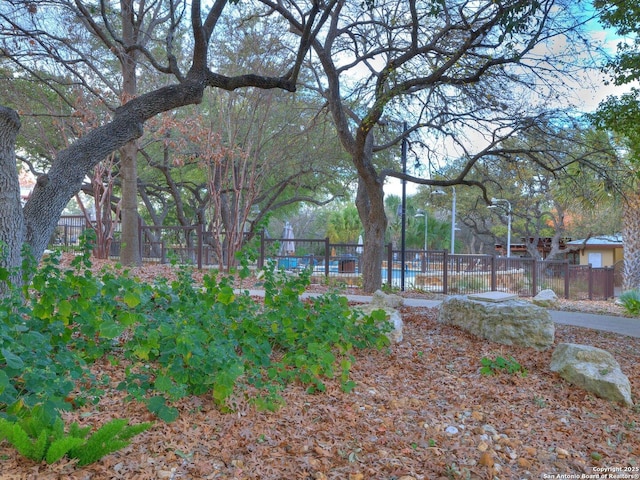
(601, 241)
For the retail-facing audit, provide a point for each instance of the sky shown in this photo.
(585, 99)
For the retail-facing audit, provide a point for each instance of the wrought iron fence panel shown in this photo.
(432, 271)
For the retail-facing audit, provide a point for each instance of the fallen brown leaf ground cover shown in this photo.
(420, 410)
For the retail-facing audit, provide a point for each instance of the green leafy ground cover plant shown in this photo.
(501, 364)
(214, 339)
(178, 338)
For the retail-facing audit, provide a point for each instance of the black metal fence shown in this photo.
(437, 271)
(68, 232)
(433, 271)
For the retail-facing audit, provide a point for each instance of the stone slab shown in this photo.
(513, 322)
(493, 296)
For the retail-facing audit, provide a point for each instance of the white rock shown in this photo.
(593, 369)
(546, 298)
(510, 322)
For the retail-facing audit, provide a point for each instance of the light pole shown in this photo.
(420, 214)
(423, 213)
(403, 241)
(453, 221)
(494, 202)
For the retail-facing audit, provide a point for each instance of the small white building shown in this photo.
(599, 250)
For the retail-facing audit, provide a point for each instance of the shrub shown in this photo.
(181, 338)
(630, 301)
(38, 438)
(217, 340)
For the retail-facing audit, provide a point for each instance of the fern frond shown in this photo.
(131, 431)
(76, 431)
(60, 447)
(20, 440)
(90, 453)
(40, 446)
(6, 428)
(109, 438)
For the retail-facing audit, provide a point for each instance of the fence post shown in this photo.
(199, 246)
(567, 272)
(327, 253)
(262, 249)
(609, 273)
(390, 264)
(590, 270)
(445, 272)
(494, 273)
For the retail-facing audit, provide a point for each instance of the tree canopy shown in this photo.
(61, 54)
(621, 115)
(447, 79)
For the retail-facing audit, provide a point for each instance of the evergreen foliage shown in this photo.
(630, 300)
(37, 438)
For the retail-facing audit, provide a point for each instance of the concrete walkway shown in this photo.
(606, 323)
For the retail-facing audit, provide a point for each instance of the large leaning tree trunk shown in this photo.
(64, 179)
(12, 226)
(631, 237)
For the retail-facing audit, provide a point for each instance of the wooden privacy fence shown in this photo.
(434, 271)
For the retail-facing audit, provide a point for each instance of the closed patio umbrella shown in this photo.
(288, 246)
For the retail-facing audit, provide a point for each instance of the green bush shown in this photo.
(180, 338)
(630, 301)
(213, 339)
(37, 437)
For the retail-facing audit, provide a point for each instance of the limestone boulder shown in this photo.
(389, 300)
(592, 369)
(390, 304)
(509, 321)
(546, 298)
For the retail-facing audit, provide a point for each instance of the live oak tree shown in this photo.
(236, 158)
(621, 115)
(554, 178)
(468, 74)
(49, 36)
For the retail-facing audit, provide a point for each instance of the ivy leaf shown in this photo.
(163, 383)
(64, 310)
(226, 296)
(12, 360)
(158, 406)
(128, 318)
(131, 299)
(110, 329)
